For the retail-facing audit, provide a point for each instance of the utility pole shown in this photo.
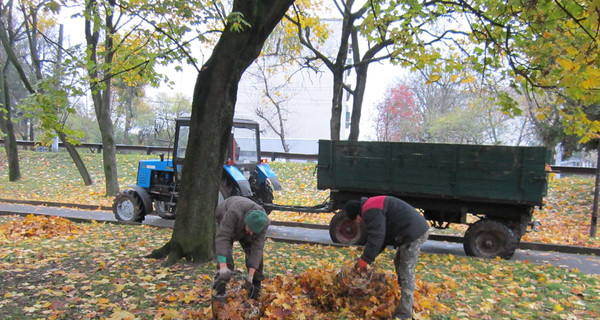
(594, 222)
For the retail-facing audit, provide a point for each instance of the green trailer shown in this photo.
(492, 189)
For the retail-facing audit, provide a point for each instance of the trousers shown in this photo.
(405, 262)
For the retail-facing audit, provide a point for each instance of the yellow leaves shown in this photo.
(433, 78)
(566, 64)
(122, 315)
(558, 308)
(40, 227)
(102, 301)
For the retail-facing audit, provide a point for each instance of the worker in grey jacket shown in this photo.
(240, 219)
(392, 222)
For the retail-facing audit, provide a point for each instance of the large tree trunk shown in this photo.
(6, 126)
(212, 116)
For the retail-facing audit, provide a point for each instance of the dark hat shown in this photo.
(352, 209)
(256, 220)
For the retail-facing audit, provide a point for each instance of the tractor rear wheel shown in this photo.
(346, 231)
(264, 195)
(227, 190)
(128, 206)
(489, 239)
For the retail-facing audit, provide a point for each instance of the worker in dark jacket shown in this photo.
(391, 221)
(240, 219)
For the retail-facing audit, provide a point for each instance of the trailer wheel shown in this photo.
(489, 239)
(346, 231)
(128, 206)
(164, 210)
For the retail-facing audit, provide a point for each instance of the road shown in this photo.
(589, 264)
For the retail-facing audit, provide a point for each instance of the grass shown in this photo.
(57, 269)
(94, 271)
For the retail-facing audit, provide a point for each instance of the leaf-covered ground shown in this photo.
(52, 268)
(565, 219)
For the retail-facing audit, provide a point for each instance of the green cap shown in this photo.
(256, 220)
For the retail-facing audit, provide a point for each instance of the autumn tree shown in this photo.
(41, 74)
(127, 40)
(128, 104)
(273, 79)
(159, 122)
(215, 93)
(6, 124)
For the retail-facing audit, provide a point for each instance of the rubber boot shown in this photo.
(255, 294)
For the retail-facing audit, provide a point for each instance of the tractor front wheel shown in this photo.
(128, 206)
(346, 231)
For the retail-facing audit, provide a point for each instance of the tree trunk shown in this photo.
(109, 149)
(359, 94)
(85, 175)
(213, 106)
(337, 69)
(336, 101)
(101, 87)
(83, 172)
(6, 126)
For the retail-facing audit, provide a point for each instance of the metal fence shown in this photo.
(97, 148)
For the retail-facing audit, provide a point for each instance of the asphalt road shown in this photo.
(585, 263)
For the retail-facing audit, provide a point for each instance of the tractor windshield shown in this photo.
(182, 140)
(245, 147)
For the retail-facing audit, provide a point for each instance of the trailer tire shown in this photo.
(128, 206)
(489, 239)
(346, 231)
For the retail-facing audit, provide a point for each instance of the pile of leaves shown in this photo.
(321, 292)
(40, 227)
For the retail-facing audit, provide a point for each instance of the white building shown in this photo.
(308, 103)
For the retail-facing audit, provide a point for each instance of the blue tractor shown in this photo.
(244, 174)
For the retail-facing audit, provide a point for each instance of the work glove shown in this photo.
(248, 286)
(248, 283)
(361, 265)
(224, 273)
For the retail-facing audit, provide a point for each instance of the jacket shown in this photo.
(389, 221)
(231, 215)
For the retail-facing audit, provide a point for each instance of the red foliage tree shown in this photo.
(398, 117)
